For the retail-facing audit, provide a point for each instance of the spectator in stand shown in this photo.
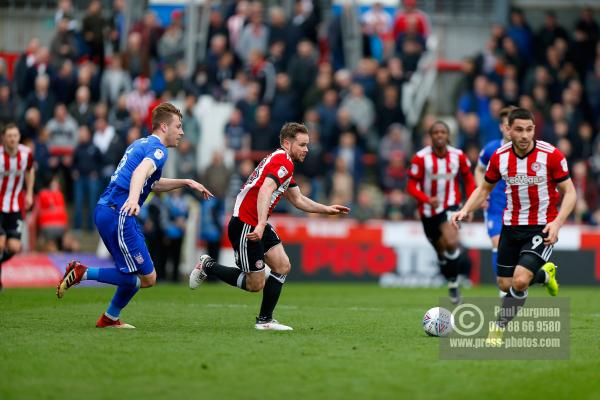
(63, 129)
(118, 21)
(587, 193)
(264, 134)
(341, 184)
(389, 112)
(249, 104)
(520, 32)
(217, 177)
(216, 25)
(548, 33)
(369, 204)
(236, 136)
(82, 110)
(85, 172)
(476, 101)
(351, 154)
(328, 110)
(115, 82)
(398, 206)
(64, 84)
(135, 60)
(362, 113)
(42, 99)
(187, 165)
(285, 102)
(315, 92)
(411, 15)
(93, 28)
(302, 68)
(32, 124)
(236, 22)
(191, 124)
(8, 106)
(378, 25)
(41, 66)
(254, 36)
(140, 99)
(397, 140)
(119, 117)
(65, 11)
(111, 147)
(150, 32)
(171, 43)
(592, 87)
(24, 62)
(280, 31)
(63, 45)
(177, 208)
(263, 72)
(314, 166)
(51, 215)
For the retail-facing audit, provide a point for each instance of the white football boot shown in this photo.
(271, 325)
(198, 274)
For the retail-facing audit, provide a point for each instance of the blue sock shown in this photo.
(121, 298)
(495, 261)
(112, 276)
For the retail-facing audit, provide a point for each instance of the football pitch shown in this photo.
(351, 341)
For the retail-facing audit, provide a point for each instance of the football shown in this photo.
(438, 321)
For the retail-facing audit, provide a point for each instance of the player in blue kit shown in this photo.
(138, 173)
(496, 201)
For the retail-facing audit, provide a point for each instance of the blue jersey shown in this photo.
(497, 199)
(118, 189)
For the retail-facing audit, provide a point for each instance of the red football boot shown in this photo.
(105, 322)
(72, 277)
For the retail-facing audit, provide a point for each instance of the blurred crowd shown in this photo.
(553, 71)
(81, 100)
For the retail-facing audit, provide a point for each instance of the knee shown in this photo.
(148, 280)
(285, 268)
(256, 284)
(14, 248)
(521, 282)
(504, 284)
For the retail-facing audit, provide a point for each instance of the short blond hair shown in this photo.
(164, 113)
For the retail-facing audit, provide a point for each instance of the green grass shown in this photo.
(350, 341)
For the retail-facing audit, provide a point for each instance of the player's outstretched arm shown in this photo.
(138, 178)
(475, 201)
(167, 184)
(301, 202)
(567, 188)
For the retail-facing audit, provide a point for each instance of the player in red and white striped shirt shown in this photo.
(434, 182)
(16, 168)
(533, 171)
(254, 241)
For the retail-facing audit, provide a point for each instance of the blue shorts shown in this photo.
(493, 221)
(124, 240)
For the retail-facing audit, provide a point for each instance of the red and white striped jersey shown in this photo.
(278, 166)
(12, 171)
(434, 176)
(531, 195)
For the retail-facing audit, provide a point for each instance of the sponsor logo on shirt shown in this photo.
(524, 180)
